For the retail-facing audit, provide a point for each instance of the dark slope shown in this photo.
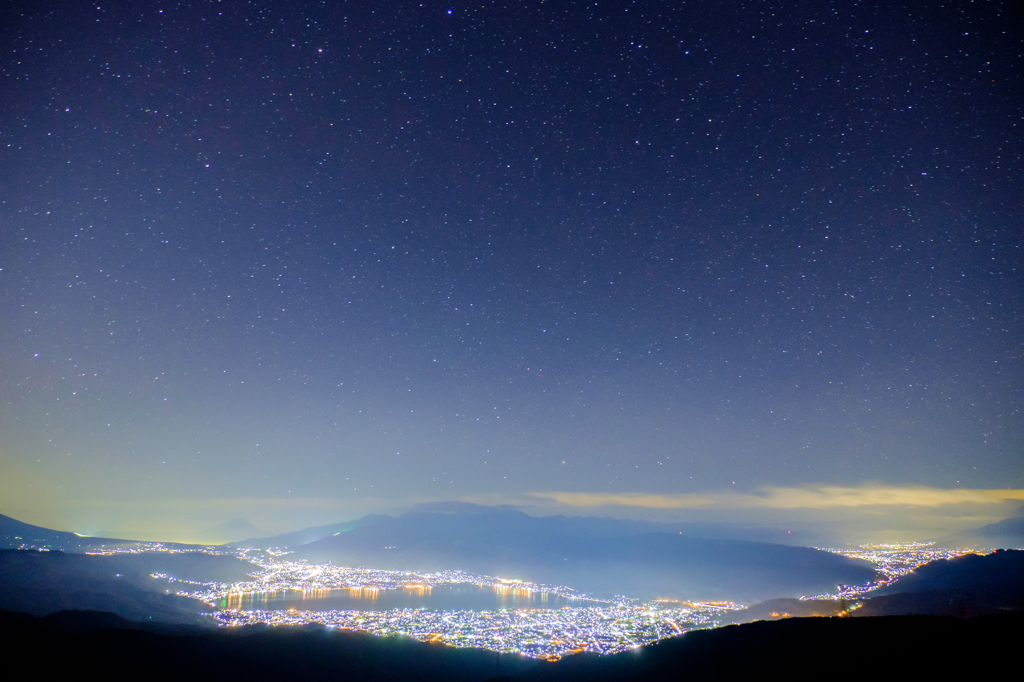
(512, 544)
(965, 586)
(304, 536)
(774, 609)
(801, 647)
(16, 534)
(128, 651)
(1001, 571)
(1005, 534)
(46, 582)
(810, 648)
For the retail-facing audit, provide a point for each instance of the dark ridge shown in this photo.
(965, 587)
(260, 652)
(1000, 573)
(14, 534)
(775, 609)
(298, 537)
(1005, 534)
(811, 648)
(83, 621)
(41, 583)
(800, 647)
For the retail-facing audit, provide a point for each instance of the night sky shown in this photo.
(303, 261)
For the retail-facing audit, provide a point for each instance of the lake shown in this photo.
(440, 598)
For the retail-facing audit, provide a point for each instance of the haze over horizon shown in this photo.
(307, 261)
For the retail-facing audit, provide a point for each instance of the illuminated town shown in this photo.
(537, 633)
(585, 624)
(278, 576)
(892, 561)
(598, 626)
(160, 547)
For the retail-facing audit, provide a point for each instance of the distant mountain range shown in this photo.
(15, 534)
(1005, 534)
(232, 530)
(597, 526)
(598, 556)
(299, 537)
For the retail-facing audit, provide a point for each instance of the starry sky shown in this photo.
(302, 261)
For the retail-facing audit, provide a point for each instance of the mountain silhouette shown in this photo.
(964, 587)
(230, 531)
(596, 558)
(909, 646)
(41, 583)
(1005, 534)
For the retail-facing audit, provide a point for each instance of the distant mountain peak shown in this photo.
(235, 529)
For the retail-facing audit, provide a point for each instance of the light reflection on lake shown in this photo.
(439, 598)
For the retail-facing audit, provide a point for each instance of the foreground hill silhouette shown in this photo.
(552, 550)
(799, 647)
(967, 586)
(999, 573)
(41, 583)
(964, 587)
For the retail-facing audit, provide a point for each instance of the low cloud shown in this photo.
(807, 497)
(828, 497)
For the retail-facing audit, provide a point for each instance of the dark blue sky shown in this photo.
(298, 250)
